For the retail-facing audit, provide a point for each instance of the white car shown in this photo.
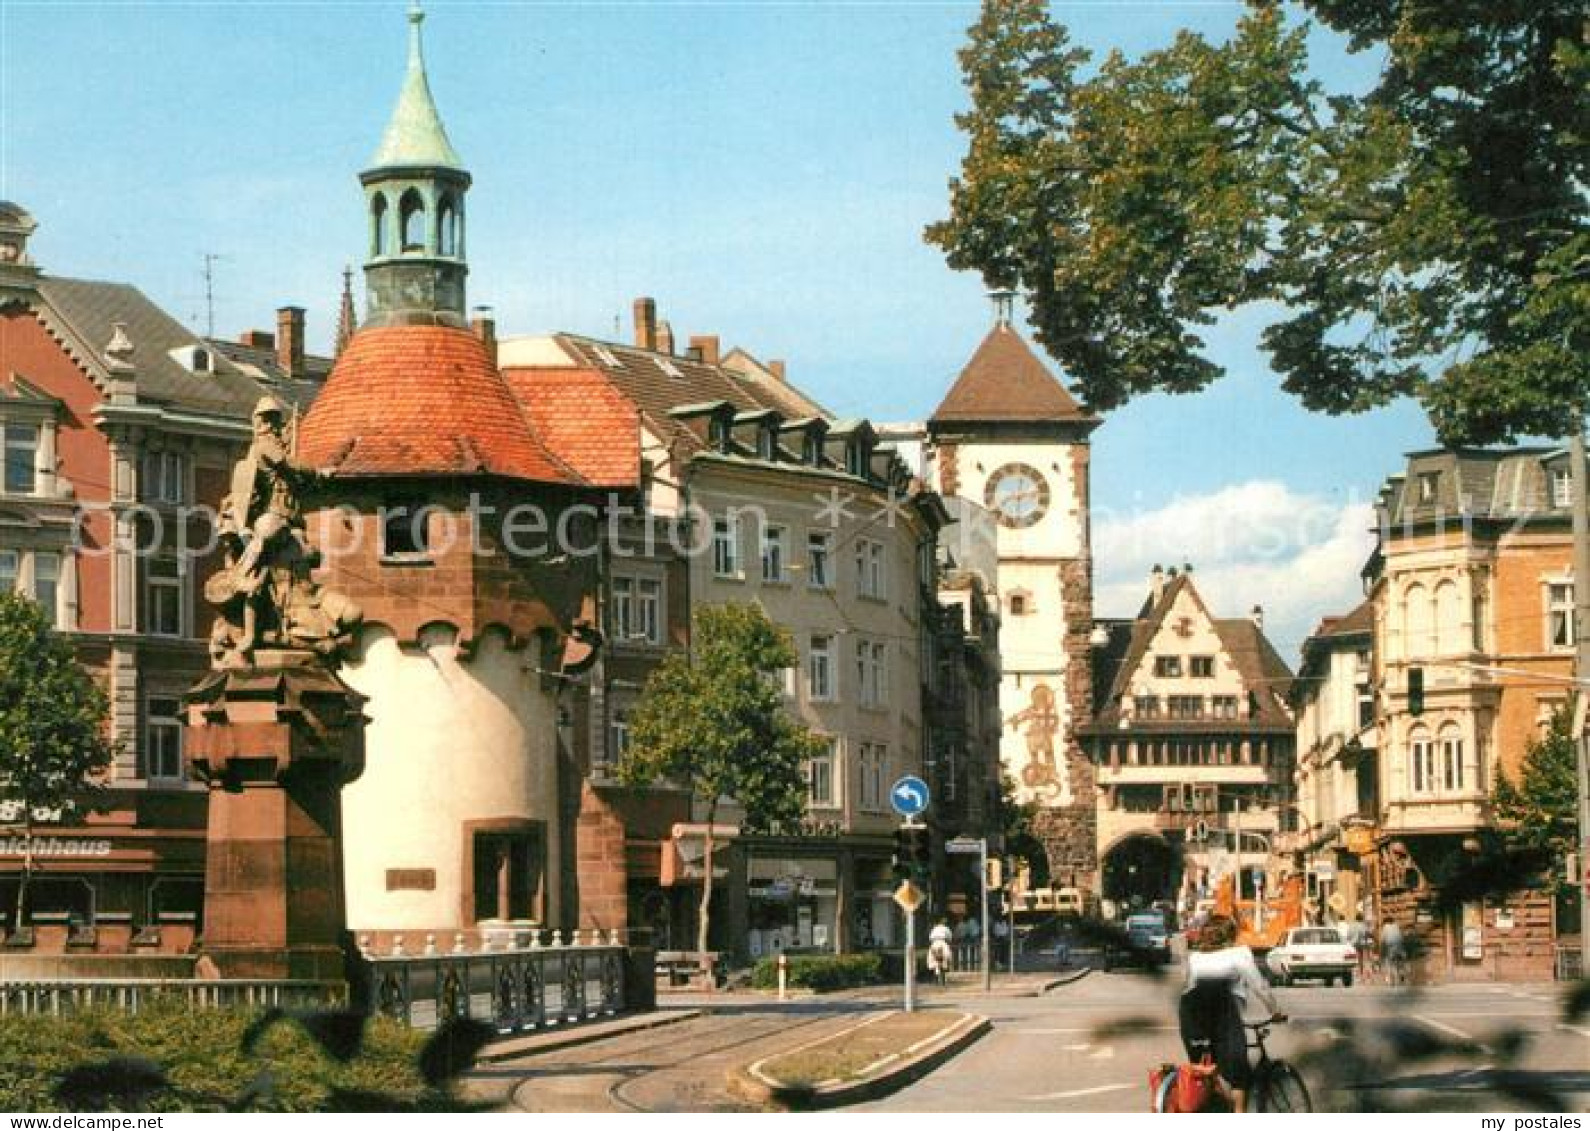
(1313, 952)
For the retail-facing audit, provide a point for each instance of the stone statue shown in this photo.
(264, 592)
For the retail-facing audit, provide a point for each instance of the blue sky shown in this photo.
(763, 169)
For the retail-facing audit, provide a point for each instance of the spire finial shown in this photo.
(1004, 302)
(416, 18)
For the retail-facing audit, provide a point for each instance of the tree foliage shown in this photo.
(54, 737)
(713, 721)
(1428, 237)
(1539, 809)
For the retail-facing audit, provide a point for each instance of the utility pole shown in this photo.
(1581, 599)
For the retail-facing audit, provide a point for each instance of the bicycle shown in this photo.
(1276, 1087)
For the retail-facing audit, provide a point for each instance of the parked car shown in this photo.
(1313, 952)
(1149, 936)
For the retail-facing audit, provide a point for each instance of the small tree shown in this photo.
(54, 740)
(1538, 811)
(713, 721)
(1017, 819)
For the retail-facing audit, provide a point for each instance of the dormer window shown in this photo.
(1561, 487)
(718, 433)
(766, 443)
(857, 457)
(812, 450)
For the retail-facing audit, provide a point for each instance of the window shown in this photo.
(406, 531)
(507, 875)
(165, 477)
(775, 551)
(1223, 706)
(1186, 706)
(869, 569)
(163, 740)
(1561, 488)
(819, 560)
(766, 443)
(636, 615)
(820, 669)
(9, 561)
(1560, 614)
(47, 584)
(449, 228)
(411, 221)
(726, 547)
(21, 458)
(820, 777)
(1020, 604)
(163, 594)
(378, 225)
(1167, 666)
(618, 736)
(871, 673)
(857, 458)
(1451, 759)
(1428, 482)
(1421, 762)
(1146, 706)
(872, 758)
(1478, 612)
(1203, 667)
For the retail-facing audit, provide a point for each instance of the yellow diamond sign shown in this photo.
(909, 896)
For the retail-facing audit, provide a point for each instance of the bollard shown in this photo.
(783, 976)
(430, 944)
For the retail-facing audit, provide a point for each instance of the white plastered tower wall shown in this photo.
(453, 738)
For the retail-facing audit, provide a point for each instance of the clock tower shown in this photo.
(1009, 437)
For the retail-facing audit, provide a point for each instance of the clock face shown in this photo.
(1017, 494)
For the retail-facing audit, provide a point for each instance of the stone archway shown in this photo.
(1140, 869)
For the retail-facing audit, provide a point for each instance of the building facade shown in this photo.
(1472, 592)
(1193, 747)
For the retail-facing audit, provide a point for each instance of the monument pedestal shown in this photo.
(275, 742)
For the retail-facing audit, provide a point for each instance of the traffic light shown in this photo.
(1416, 691)
(994, 876)
(913, 852)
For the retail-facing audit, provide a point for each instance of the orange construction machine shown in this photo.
(1282, 911)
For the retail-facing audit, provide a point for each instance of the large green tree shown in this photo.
(54, 736)
(1538, 809)
(712, 720)
(1426, 237)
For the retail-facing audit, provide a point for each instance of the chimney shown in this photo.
(1258, 617)
(290, 340)
(707, 346)
(646, 323)
(1156, 582)
(665, 338)
(484, 324)
(776, 367)
(257, 339)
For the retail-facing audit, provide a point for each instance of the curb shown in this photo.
(751, 1084)
(533, 1045)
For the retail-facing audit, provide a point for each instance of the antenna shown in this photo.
(210, 260)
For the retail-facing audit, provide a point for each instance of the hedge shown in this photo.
(821, 972)
(171, 1058)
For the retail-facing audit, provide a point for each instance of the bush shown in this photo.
(821, 972)
(113, 1056)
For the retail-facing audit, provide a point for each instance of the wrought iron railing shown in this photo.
(519, 988)
(131, 995)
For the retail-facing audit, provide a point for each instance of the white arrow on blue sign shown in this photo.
(909, 796)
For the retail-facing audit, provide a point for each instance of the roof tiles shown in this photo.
(1005, 382)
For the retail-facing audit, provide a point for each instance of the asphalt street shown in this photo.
(1090, 1046)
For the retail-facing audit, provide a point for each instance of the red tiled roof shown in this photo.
(422, 400)
(586, 422)
(1005, 381)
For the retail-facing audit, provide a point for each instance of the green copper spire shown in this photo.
(415, 136)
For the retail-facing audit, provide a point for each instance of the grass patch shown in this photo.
(847, 1055)
(200, 1055)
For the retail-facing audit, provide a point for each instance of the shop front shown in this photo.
(793, 904)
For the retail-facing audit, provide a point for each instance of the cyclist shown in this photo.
(939, 956)
(1223, 980)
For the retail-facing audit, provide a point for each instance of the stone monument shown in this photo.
(273, 731)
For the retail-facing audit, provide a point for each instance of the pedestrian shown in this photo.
(1393, 953)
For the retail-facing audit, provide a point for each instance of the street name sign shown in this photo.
(964, 846)
(909, 796)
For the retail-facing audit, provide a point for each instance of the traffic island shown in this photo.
(864, 1062)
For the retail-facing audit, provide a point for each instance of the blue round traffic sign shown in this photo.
(909, 796)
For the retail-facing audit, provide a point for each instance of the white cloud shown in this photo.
(1254, 543)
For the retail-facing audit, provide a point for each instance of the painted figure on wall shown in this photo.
(1042, 775)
